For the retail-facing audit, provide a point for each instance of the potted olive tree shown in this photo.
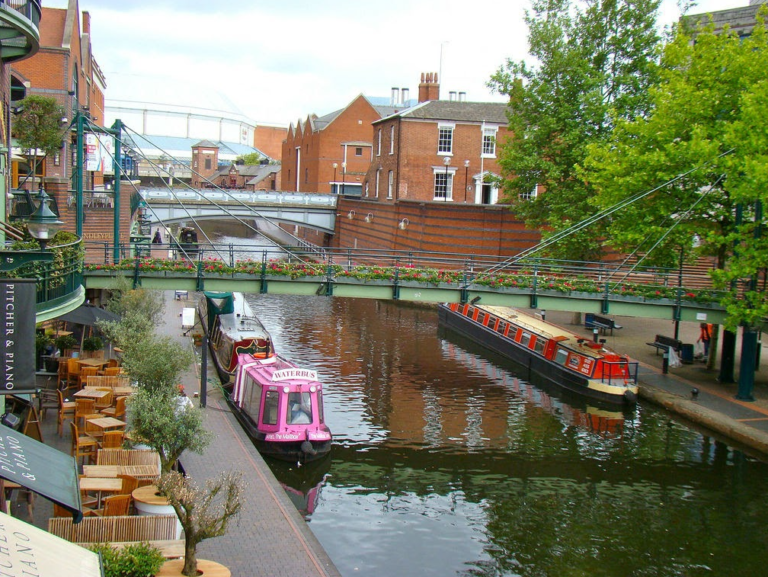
(65, 344)
(203, 513)
(92, 344)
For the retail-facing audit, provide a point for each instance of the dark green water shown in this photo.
(445, 463)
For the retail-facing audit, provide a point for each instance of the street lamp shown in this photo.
(447, 163)
(43, 220)
(466, 180)
(335, 166)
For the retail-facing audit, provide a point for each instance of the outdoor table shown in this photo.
(91, 393)
(106, 471)
(108, 423)
(98, 363)
(124, 391)
(101, 485)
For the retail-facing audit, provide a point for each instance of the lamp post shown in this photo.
(447, 163)
(466, 180)
(335, 166)
(43, 220)
(343, 177)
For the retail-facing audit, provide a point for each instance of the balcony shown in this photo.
(19, 29)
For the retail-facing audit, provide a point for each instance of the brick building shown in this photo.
(332, 153)
(64, 68)
(251, 177)
(437, 150)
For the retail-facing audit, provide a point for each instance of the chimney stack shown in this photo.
(405, 96)
(462, 96)
(429, 88)
(395, 96)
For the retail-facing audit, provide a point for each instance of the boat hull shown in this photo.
(550, 371)
(291, 451)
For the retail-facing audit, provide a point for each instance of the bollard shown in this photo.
(595, 333)
(544, 315)
(665, 363)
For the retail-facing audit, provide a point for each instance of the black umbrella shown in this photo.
(87, 314)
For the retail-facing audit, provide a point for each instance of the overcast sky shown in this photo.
(276, 62)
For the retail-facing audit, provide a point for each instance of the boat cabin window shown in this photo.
(538, 346)
(320, 414)
(252, 397)
(270, 408)
(299, 409)
(525, 339)
(502, 327)
(561, 356)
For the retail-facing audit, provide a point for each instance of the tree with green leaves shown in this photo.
(250, 159)
(594, 61)
(695, 159)
(38, 128)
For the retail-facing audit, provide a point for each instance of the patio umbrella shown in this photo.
(87, 314)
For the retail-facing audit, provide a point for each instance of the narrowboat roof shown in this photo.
(276, 370)
(535, 325)
(238, 321)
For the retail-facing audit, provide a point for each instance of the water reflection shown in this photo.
(446, 463)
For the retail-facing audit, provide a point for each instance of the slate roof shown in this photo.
(741, 20)
(494, 112)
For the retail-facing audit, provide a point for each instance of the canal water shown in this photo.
(445, 463)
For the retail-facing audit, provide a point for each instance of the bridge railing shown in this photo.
(600, 280)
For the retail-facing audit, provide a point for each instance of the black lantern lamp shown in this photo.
(43, 223)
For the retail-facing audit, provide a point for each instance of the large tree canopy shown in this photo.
(701, 151)
(594, 62)
(39, 128)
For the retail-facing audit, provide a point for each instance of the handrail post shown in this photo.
(263, 278)
(136, 278)
(329, 277)
(534, 296)
(200, 281)
(604, 304)
(396, 285)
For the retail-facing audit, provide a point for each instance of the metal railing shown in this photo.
(30, 9)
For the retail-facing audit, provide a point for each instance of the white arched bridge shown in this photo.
(315, 211)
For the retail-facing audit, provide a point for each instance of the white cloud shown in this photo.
(280, 61)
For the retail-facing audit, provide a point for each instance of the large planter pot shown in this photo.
(205, 568)
(149, 501)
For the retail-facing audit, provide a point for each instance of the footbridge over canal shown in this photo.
(315, 211)
(419, 277)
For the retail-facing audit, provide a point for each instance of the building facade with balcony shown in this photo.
(65, 69)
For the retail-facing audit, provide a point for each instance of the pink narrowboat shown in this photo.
(560, 357)
(280, 406)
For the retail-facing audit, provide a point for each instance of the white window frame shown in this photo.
(390, 183)
(439, 174)
(378, 182)
(392, 139)
(378, 144)
(442, 128)
(488, 142)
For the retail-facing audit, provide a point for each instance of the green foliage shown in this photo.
(154, 362)
(157, 419)
(92, 343)
(706, 125)
(65, 342)
(249, 159)
(203, 513)
(595, 61)
(125, 298)
(42, 341)
(134, 560)
(39, 127)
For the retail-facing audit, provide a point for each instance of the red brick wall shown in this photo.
(440, 227)
(321, 149)
(269, 140)
(415, 158)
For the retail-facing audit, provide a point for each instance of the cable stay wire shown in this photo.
(211, 201)
(178, 243)
(594, 218)
(678, 221)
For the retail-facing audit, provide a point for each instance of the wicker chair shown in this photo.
(82, 445)
(66, 410)
(84, 407)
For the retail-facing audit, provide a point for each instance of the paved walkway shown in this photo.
(715, 407)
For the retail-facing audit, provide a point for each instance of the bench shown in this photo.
(663, 343)
(130, 528)
(593, 321)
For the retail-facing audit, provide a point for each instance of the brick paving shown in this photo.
(269, 538)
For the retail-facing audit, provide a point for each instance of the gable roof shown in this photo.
(494, 112)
